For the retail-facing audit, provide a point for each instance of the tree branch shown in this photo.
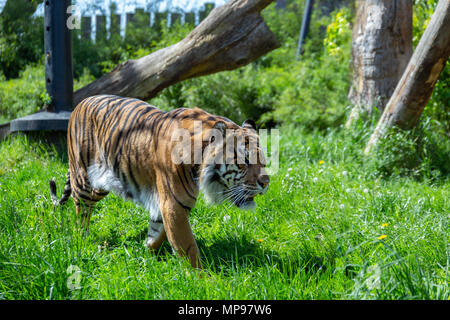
(231, 36)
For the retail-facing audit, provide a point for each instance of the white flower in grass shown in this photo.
(344, 173)
(342, 206)
(315, 179)
(366, 191)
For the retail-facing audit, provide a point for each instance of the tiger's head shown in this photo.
(233, 167)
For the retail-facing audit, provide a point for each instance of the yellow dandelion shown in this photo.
(321, 162)
(384, 225)
(383, 236)
(260, 240)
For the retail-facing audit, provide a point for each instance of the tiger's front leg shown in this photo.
(179, 232)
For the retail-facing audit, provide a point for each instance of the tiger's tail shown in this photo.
(66, 194)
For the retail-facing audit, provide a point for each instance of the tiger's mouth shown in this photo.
(217, 190)
(246, 203)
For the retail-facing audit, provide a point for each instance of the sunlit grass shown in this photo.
(327, 229)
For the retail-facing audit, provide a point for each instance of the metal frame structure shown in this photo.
(58, 73)
(305, 26)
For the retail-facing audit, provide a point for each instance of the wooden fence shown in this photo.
(102, 21)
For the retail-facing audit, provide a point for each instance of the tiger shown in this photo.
(127, 146)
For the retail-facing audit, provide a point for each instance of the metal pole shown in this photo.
(305, 26)
(58, 72)
(58, 54)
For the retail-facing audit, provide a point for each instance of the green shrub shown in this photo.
(420, 153)
(312, 92)
(27, 94)
(24, 95)
(277, 88)
(422, 12)
(21, 37)
(238, 94)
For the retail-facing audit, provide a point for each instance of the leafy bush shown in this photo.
(422, 12)
(25, 95)
(22, 96)
(21, 43)
(311, 94)
(279, 88)
(421, 153)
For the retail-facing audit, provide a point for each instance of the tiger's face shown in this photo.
(234, 169)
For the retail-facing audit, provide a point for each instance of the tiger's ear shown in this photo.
(220, 125)
(249, 124)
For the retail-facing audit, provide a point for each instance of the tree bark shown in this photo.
(417, 83)
(381, 49)
(231, 36)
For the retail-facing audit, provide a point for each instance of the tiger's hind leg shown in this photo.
(83, 215)
(156, 235)
(84, 205)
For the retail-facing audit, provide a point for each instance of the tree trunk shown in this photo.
(381, 49)
(231, 36)
(417, 83)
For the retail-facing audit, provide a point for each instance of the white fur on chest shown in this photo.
(102, 177)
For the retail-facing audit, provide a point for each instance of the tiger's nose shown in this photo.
(263, 181)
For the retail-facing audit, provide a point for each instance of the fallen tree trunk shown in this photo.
(417, 83)
(231, 36)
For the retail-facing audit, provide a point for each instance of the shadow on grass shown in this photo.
(229, 255)
(51, 141)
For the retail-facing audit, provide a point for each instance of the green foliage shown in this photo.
(339, 33)
(422, 12)
(21, 43)
(236, 94)
(422, 153)
(313, 91)
(22, 96)
(140, 40)
(278, 88)
(171, 35)
(21, 37)
(26, 94)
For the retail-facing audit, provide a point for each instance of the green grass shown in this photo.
(314, 235)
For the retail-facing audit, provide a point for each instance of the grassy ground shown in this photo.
(328, 228)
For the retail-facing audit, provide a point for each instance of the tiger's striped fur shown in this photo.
(124, 145)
